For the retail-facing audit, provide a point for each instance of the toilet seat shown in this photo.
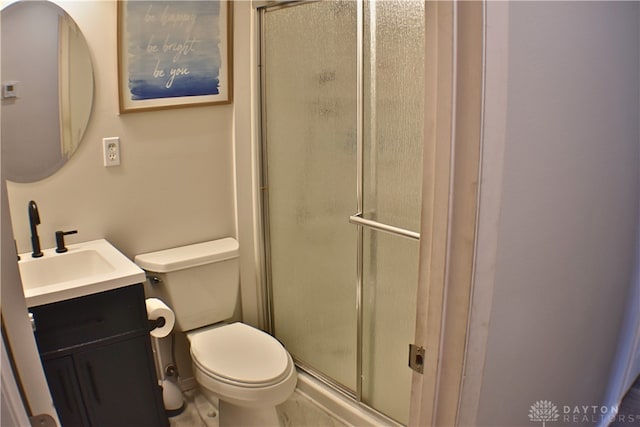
(240, 355)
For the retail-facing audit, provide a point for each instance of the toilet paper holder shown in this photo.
(156, 323)
(160, 318)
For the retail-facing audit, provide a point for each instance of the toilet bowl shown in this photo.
(245, 370)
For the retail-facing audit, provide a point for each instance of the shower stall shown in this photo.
(342, 86)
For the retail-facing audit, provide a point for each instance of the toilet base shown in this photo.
(233, 415)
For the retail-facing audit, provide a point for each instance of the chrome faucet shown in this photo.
(34, 221)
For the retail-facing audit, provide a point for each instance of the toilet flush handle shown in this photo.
(154, 280)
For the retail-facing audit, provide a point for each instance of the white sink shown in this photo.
(86, 268)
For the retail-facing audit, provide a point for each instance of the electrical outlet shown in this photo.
(111, 151)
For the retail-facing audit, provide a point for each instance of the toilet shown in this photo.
(247, 371)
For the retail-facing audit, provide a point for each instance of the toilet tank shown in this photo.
(199, 282)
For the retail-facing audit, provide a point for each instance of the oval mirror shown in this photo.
(46, 89)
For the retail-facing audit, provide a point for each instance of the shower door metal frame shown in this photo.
(357, 218)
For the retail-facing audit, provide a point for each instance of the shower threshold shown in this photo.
(339, 403)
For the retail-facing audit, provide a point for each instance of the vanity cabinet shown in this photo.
(97, 356)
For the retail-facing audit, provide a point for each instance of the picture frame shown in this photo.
(174, 54)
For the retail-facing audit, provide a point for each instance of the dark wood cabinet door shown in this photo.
(119, 384)
(63, 384)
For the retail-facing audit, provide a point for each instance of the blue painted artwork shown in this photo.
(173, 48)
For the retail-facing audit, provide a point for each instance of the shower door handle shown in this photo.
(359, 220)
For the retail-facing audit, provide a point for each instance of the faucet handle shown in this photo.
(60, 247)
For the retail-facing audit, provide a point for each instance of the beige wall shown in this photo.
(176, 182)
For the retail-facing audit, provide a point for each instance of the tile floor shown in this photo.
(198, 412)
(298, 411)
(629, 410)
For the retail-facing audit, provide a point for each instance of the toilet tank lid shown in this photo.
(182, 257)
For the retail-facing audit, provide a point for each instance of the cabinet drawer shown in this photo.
(90, 318)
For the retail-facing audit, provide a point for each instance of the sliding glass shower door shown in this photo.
(309, 115)
(342, 116)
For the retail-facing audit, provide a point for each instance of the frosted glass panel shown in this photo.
(311, 149)
(390, 279)
(393, 140)
(310, 117)
(394, 111)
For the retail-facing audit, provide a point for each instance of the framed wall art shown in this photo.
(174, 54)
